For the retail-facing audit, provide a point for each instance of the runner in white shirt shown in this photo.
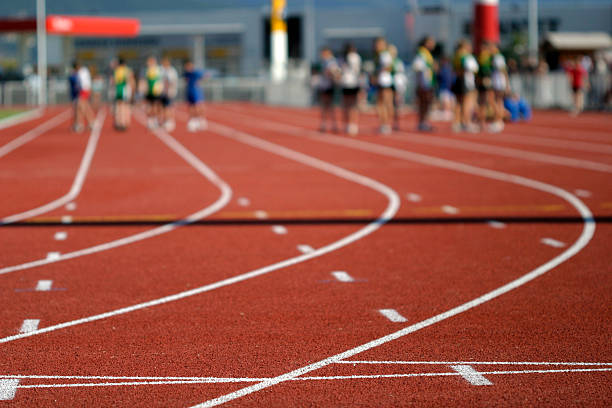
(384, 82)
(351, 70)
(84, 94)
(170, 89)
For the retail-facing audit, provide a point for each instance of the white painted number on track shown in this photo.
(60, 236)
(29, 325)
(53, 255)
(496, 224)
(342, 276)
(71, 206)
(244, 202)
(470, 375)
(305, 249)
(415, 198)
(448, 209)
(8, 388)
(261, 214)
(44, 285)
(583, 193)
(393, 315)
(279, 229)
(552, 242)
(66, 219)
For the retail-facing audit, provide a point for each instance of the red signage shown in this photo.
(93, 26)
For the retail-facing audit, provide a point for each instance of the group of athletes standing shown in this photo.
(158, 86)
(475, 89)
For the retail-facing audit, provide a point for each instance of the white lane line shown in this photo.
(583, 240)
(583, 193)
(34, 133)
(53, 256)
(393, 315)
(305, 249)
(44, 285)
(262, 215)
(244, 202)
(449, 209)
(66, 219)
(503, 151)
(77, 184)
(544, 363)
(279, 229)
(60, 236)
(389, 212)
(414, 197)
(8, 389)
(21, 117)
(342, 276)
(222, 380)
(496, 224)
(470, 375)
(197, 164)
(29, 326)
(552, 242)
(71, 206)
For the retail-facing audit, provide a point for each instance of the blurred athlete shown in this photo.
(75, 90)
(153, 89)
(195, 98)
(464, 88)
(123, 80)
(499, 79)
(170, 89)
(400, 83)
(84, 107)
(351, 70)
(384, 82)
(484, 82)
(424, 66)
(330, 72)
(578, 79)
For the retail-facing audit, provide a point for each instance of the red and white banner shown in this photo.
(93, 26)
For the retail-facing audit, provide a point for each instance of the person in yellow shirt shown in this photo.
(123, 79)
(153, 87)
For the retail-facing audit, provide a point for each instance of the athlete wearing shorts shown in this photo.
(195, 97)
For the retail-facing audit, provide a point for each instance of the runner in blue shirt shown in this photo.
(195, 98)
(75, 90)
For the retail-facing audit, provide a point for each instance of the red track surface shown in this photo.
(254, 331)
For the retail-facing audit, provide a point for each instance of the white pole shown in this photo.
(278, 41)
(533, 29)
(41, 42)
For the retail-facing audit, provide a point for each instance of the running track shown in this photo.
(261, 263)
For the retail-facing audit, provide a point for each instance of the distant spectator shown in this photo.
(578, 79)
(517, 107)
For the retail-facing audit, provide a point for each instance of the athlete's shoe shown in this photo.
(352, 129)
(192, 125)
(202, 124)
(385, 130)
(152, 123)
(169, 126)
(496, 127)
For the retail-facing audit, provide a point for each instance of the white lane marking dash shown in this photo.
(583, 193)
(415, 198)
(393, 315)
(60, 236)
(244, 202)
(342, 276)
(8, 388)
(51, 256)
(261, 214)
(71, 206)
(279, 229)
(29, 325)
(44, 285)
(449, 209)
(305, 249)
(66, 219)
(496, 224)
(470, 375)
(552, 242)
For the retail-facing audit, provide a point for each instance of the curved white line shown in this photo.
(222, 201)
(77, 184)
(581, 242)
(21, 118)
(388, 214)
(34, 133)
